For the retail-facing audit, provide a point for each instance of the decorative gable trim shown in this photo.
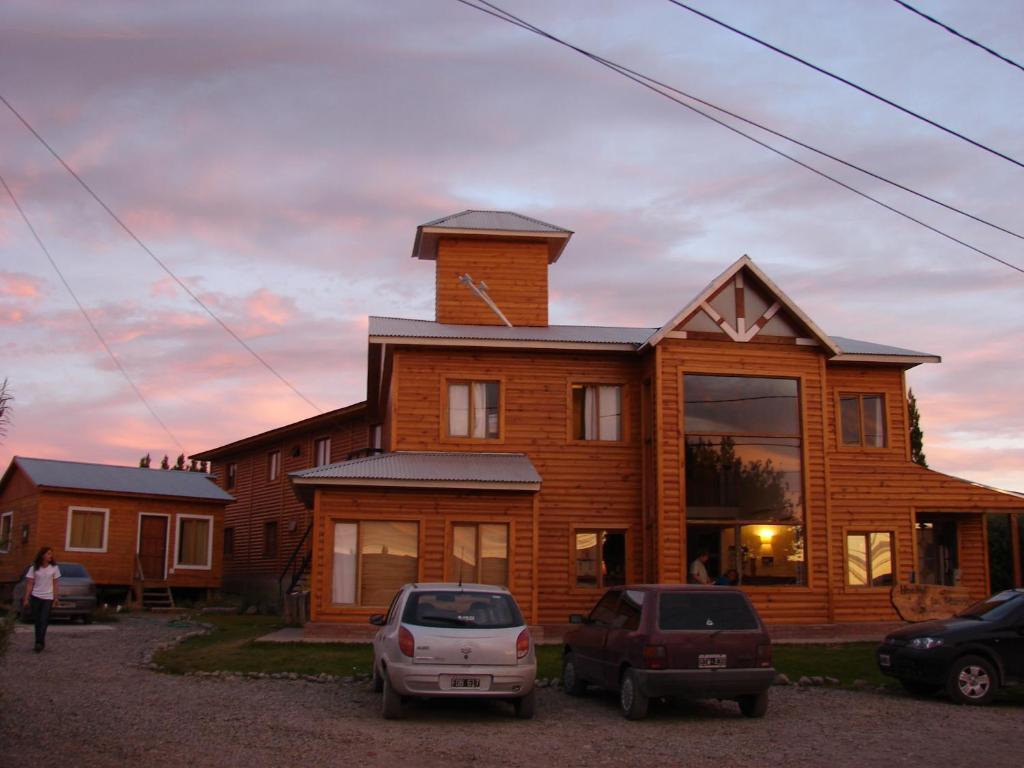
(743, 331)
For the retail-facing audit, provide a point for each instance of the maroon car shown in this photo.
(659, 640)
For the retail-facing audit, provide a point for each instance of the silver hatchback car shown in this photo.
(461, 640)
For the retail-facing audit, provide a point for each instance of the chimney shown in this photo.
(508, 252)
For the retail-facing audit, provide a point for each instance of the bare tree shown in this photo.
(6, 398)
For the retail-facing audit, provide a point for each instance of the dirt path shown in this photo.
(86, 702)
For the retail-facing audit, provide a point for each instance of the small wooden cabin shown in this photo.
(143, 528)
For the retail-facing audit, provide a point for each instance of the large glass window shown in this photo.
(862, 420)
(372, 559)
(869, 559)
(600, 558)
(473, 409)
(744, 477)
(596, 412)
(479, 553)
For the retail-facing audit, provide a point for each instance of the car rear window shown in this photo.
(72, 571)
(462, 610)
(705, 610)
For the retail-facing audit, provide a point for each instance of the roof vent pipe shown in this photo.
(481, 291)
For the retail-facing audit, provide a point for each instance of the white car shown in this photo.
(463, 640)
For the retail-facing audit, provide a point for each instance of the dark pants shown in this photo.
(41, 614)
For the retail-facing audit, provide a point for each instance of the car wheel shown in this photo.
(87, 618)
(971, 680)
(917, 688)
(378, 681)
(391, 702)
(571, 681)
(754, 705)
(632, 700)
(525, 705)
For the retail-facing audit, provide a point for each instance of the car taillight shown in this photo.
(655, 657)
(523, 644)
(405, 642)
(764, 655)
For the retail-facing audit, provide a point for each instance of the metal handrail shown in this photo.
(295, 553)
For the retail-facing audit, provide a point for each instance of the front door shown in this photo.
(153, 546)
(938, 557)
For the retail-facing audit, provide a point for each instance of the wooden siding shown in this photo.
(434, 511)
(516, 274)
(21, 497)
(47, 514)
(585, 485)
(259, 500)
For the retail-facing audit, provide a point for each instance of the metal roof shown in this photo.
(855, 347)
(430, 467)
(500, 221)
(395, 327)
(75, 475)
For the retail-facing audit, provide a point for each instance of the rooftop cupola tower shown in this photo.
(498, 256)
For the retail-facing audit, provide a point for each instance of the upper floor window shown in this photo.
(230, 475)
(473, 409)
(596, 412)
(862, 419)
(322, 449)
(273, 465)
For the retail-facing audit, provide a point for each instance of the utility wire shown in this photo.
(850, 83)
(153, 256)
(103, 342)
(797, 142)
(953, 32)
(493, 10)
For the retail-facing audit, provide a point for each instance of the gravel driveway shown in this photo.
(86, 701)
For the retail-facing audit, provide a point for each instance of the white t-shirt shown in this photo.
(42, 584)
(699, 573)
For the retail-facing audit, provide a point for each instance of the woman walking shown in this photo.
(41, 591)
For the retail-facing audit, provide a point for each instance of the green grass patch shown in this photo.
(846, 662)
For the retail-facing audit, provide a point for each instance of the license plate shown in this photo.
(64, 604)
(465, 682)
(884, 660)
(711, 661)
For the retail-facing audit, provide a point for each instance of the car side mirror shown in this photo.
(377, 619)
(577, 618)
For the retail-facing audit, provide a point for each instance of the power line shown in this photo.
(153, 256)
(953, 32)
(845, 81)
(650, 84)
(95, 330)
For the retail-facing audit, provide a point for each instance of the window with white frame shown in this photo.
(6, 527)
(195, 541)
(87, 529)
(473, 409)
(323, 451)
(597, 411)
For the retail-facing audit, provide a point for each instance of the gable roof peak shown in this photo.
(745, 331)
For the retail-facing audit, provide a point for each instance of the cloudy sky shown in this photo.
(278, 156)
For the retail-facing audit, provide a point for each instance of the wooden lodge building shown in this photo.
(560, 460)
(144, 529)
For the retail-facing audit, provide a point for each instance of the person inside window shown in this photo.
(699, 568)
(728, 579)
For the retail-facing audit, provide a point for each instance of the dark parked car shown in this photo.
(76, 595)
(651, 641)
(970, 655)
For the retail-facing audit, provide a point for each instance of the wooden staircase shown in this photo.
(157, 599)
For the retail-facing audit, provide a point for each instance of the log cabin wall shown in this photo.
(20, 497)
(591, 485)
(434, 511)
(260, 500)
(804, 604)
(516, 274)
(48, 518)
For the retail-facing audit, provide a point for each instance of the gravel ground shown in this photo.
(87, 701)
